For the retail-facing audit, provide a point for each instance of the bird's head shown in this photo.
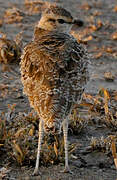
(56, 18)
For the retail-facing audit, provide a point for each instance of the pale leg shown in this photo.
(36, 171)
(65, 132)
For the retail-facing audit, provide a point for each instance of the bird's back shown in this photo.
(54, 73)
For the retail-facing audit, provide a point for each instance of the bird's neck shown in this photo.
(40, 32)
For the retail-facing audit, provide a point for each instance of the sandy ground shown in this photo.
(97, 33)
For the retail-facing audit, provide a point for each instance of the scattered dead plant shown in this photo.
(77, 123)
(36, 6)
(13, 15)
(20, 138)
(103, 144)
(102, 104)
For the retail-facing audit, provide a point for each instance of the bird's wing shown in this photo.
(55, 60)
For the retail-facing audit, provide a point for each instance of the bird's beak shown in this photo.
(78, 22)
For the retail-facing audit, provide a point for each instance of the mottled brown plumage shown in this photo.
(54, 74)
(9, 51)
(58, 11)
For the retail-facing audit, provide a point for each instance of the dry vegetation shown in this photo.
(19, 132)
(96, 113)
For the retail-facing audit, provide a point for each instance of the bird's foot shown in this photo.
(36, 172)
(67, 170)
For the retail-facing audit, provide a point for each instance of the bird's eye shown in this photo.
(52, 20)
(61, 21)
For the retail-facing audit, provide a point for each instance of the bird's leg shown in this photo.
(36, 171)
(65, 132)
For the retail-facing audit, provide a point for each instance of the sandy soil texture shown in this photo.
(94, 134)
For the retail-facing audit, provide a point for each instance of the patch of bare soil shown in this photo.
(93, 123)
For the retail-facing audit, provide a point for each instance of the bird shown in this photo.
(9, 51)
(54, 73)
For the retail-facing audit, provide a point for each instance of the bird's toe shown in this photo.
(67, 170)
(36, 172)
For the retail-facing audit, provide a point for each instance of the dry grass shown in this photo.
(77, 123)
(103, 105)
(19, 132)
(19, 138)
